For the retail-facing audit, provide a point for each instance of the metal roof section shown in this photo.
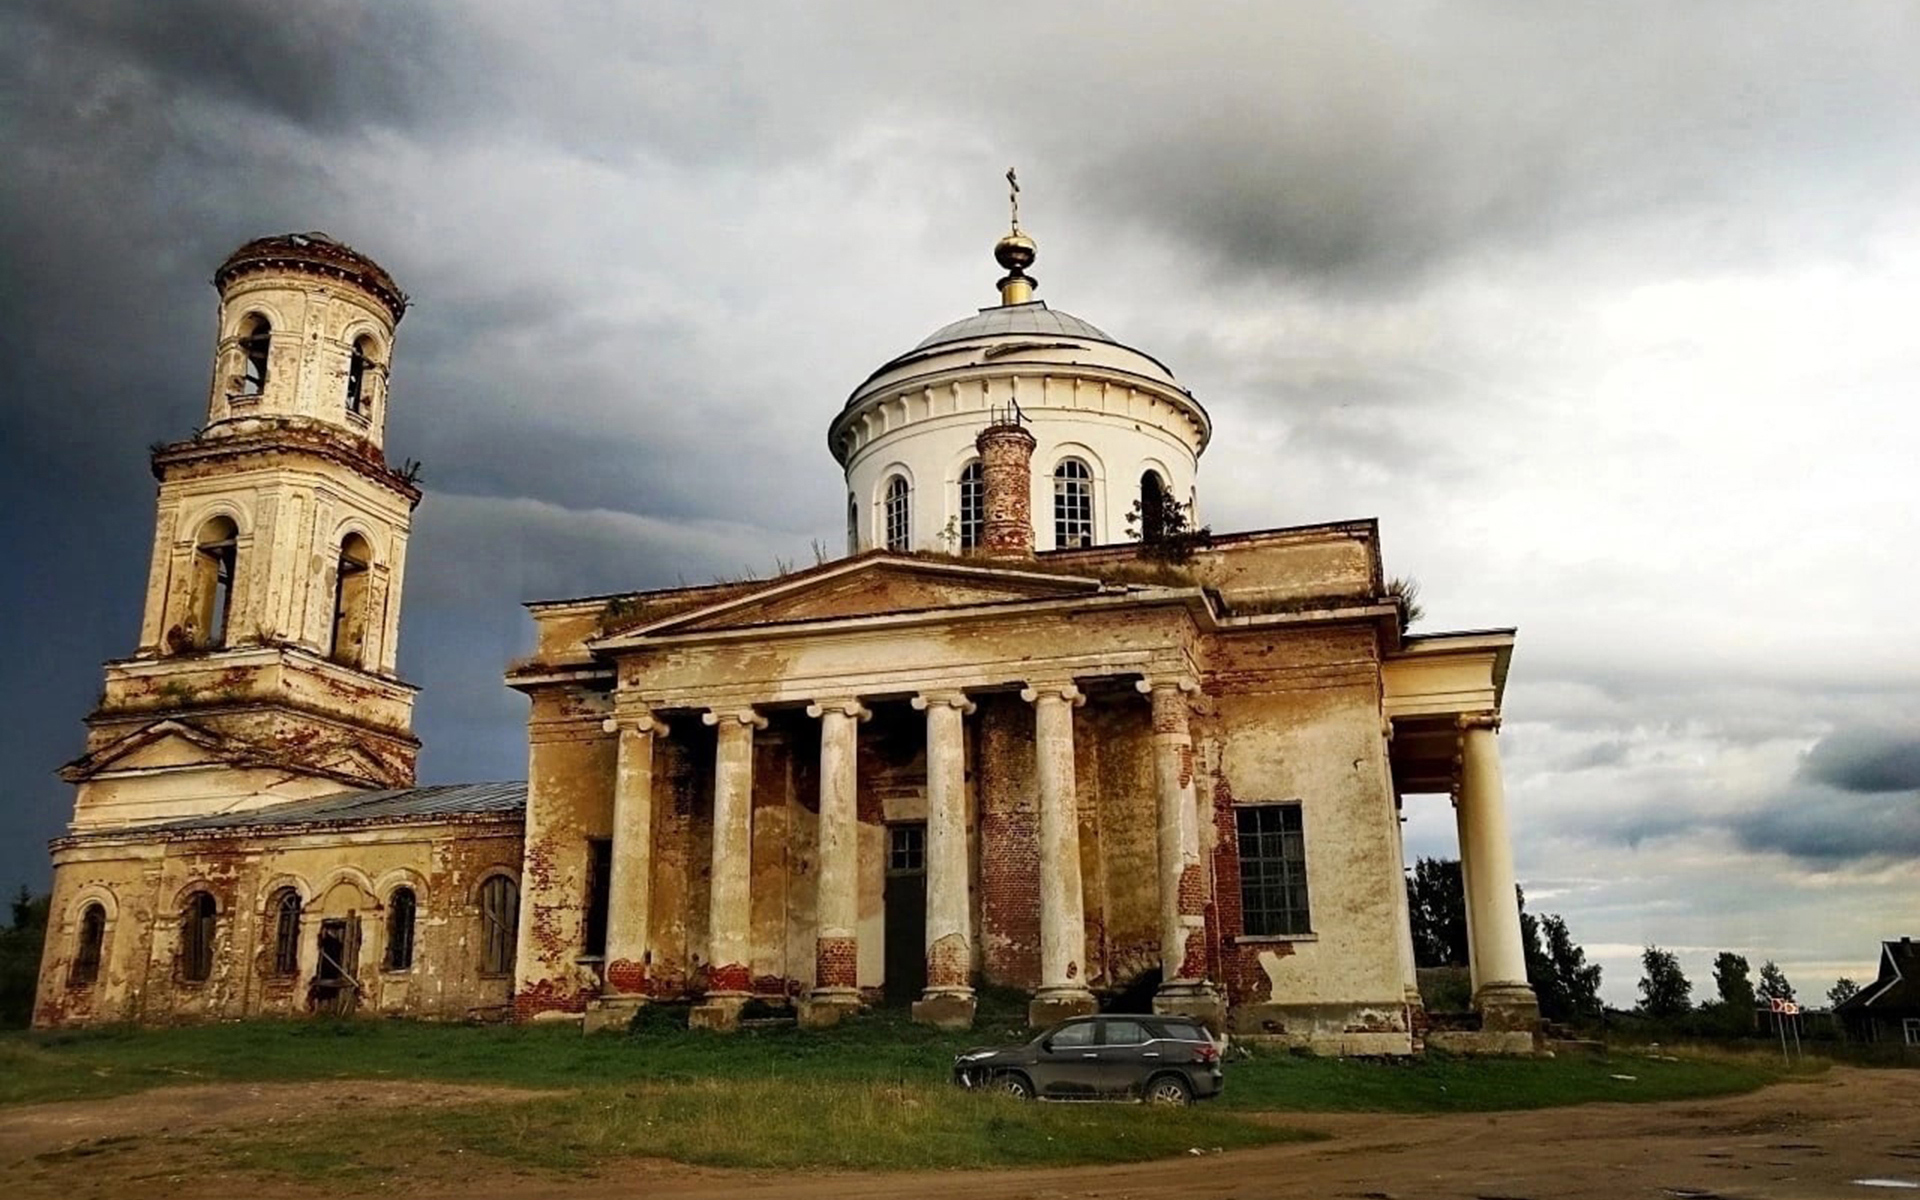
(397, 805)
(1033, 317)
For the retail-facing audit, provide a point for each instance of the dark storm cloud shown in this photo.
(1865, 760)
(1827, 827)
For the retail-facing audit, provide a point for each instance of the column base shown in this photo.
(611, 1012)
(1054, 1005)
(945, 1010)
(824, 1010)
(1197, 999)
(718, 1013)
(1507, 1008)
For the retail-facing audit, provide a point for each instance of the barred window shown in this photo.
(906, 849)
(1072, 504)
(196, 937)
(284, 909)
(86, 956)
(899, 515)
(1273, 870)
(499, 924)
(400, 913)
(973, 505)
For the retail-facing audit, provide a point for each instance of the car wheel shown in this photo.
(1014, 1084)
(1168, 1089)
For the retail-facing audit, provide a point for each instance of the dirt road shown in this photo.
(1806, 1140)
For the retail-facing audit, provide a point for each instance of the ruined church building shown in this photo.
(1030, 733)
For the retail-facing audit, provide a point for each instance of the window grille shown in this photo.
(286, 931)
(1072, 504)
(400, 914)
(499, 924)
(973, 505)
(907, 849)
(1273, 870)
(86, 956)
(899, 515)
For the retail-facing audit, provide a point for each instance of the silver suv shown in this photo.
(1162, 1060)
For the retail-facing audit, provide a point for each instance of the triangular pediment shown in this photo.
(164, 745)
(870, 586)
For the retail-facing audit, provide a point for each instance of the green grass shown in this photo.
(767, 1124)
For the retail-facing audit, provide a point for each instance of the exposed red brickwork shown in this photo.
(1009, 845)
(836, 962)
(1193, 964)
(948, 962)
(627, 977)
(1193, 890)
(733, 977)
(775, 985)
(1006, 478)
(547, 996)
(1238, 967)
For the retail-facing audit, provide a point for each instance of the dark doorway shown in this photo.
(336, 984)
(906, 912)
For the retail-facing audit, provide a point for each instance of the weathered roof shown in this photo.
(314, 252)
(1002, 319)
(396, 805)
(1898, 988)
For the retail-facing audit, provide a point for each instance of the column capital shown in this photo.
(744, 715)
(846, 706)
(637, 722)
(1036, 691)
(1477, 720)
(1147, 685)
(953, 699)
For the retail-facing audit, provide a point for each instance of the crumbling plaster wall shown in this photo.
(571, 761)
(144, 883)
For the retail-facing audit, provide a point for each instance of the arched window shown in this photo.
(350, 601)
(196, 937)
(1072, 504)
(400, 908)
(1153, 507)
(499, 924)
(853, 524)
(359, 370)
(215, 555)
(899, 514)
(256, 338)
(973, 505)
(284, 909)
(86, 955)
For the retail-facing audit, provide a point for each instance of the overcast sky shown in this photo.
(1607, 311)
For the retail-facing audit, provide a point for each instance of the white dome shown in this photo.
(1033, 317)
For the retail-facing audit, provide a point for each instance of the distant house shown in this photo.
(1888, 1009)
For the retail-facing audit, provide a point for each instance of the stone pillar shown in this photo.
(948, 1001)
(1006, 487)
(729, 978)
(1184, 987)
(1063, 927)
(1500, 991)
(630, 881)
(836, 953)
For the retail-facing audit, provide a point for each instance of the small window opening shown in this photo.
(973, 505)
(499, 924)
(899, 514)
(350, 602)
(86, 955)
(906, 849)
(853, 524)
(1072, 504)
(599, 894)
(196, 937)
(256, 338)
(359, 369)
(400, 912)
(1273, 870)
(216, 555)
(285, 910)
(1153, 507)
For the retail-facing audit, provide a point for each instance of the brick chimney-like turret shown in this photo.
(1006, 478)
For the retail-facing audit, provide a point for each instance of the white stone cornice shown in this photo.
(946, 699)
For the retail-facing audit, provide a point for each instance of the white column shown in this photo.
(949, 922)
(630, 880)
(1063, 929)
(836, 965)
(1486, 859)
(729, 975)
(1183, 911)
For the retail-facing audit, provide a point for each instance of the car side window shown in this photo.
(1125, 1033)
(1074, 1035)
(1183, 1031)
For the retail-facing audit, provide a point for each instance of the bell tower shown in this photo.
(265, 669)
